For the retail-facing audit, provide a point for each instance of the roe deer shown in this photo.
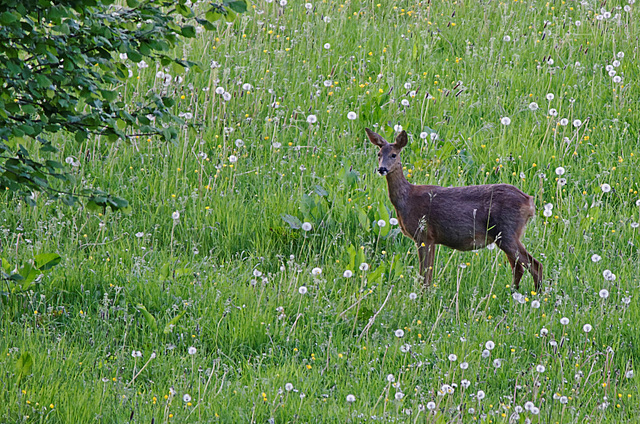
(462, 218)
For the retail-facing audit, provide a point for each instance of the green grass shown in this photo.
(253, 334)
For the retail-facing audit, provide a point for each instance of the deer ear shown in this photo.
(376, 138)
(402, 139)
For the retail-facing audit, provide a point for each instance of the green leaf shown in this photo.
(24, 365)
(43, 81)
(29, 275)
(189, 31)
(7, 18)
(134, 56)
(46, 261)
(81, 136)
(213, 16)
(363, 220)
(293, 221)
(364, 314)
(151, 320)
(320, 190)
(171, 324)
(230, 16)
(164, 271)
(184, 10)
(239, 6)
(383, 215)
(375, 275)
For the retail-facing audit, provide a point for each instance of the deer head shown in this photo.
(389, 154)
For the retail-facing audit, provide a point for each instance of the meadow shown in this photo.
(259, 274)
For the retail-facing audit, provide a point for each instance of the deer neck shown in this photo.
(398, 188)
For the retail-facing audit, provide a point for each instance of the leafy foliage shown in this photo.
(58, 73)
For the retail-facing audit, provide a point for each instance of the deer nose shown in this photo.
(383, 171)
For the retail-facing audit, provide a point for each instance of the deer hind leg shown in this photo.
(532, 265)
(513, 254)
(520, 259)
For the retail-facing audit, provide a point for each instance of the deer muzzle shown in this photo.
(383, 171)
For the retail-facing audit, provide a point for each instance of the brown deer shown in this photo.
(462, 218)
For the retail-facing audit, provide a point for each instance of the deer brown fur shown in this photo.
(462, 218)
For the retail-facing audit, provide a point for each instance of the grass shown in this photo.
(225, 276)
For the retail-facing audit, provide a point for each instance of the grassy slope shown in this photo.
(255, 334)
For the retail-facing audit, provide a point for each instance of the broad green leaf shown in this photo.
(151, 321)
(171, 324)
(43, 81)
(293, 221)
(320, 190)
(46, 261)
(189, 31)
(213, 16)
(29, 275)
(375, 275)
(24, 365)
(239, 6)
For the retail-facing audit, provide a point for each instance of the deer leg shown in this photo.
(428, 263)
(512, 251)
(422, 252)
(532, 265)
(516, 268)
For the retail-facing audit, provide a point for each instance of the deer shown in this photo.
(462, 218)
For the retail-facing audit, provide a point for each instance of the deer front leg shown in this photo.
(422, 252)
(428, 263)
(426, 252)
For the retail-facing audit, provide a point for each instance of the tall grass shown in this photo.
(226, 276)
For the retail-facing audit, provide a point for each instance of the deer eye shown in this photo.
(393, 155)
